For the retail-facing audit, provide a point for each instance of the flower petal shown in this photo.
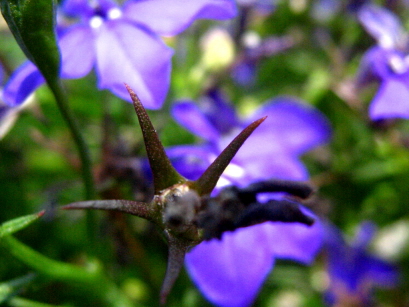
(263, 157)
(230, 272)
(352, 267)
(8, 116)
(364, 235)
(171, 18)
(86, 8)
(219, 111)
(380, 273)
(295, 241)
(129, 54)
(382, 24)
(23, 82)
(77, 52)
(76, 8)
(192, 118)
(244, 73)
(391, 101)
(190, 161)
(302, 129)
(373, 66)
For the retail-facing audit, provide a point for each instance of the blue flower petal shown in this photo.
(381, 273)
(190, 116)
(85, 8)
(244, 73)
(77, 8)
(23, 82)
(382, 24)
(191, 161)
(352, 268)
(261, 159)
(374, 66)
(364, 235)
(135, 56)
(392, 100)
(219, 111)
(230, 272)
(295, 241)
(303, 128)
(77, 51)
(171, 18)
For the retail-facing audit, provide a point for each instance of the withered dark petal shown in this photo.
(296, 188)
(273, 211)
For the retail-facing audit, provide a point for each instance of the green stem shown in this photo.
(82, 147)
(91, 280)
(22, 302)
(83, 151)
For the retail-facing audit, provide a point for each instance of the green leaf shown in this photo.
(90, 279)
(22, 302)
(11, 287)
(16, 224)
(33, 25)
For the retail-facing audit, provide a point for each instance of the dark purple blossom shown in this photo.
(122, 43)
(353, 271)
(386, 63)
(230, 271)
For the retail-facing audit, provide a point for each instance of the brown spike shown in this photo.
(127, 206)
(206, 183)
(164, 174)
(176, 258)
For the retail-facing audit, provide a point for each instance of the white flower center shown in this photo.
(114, 13)
(398, 64)
(96, 21)
(234, 171)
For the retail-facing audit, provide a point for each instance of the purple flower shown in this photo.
(353, 271)
(273, 151)
(386, 63)
(230, 271)
(123, 45)
(8, 114)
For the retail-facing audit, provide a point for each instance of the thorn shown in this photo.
(140, 209)
(176, 258)
(164, 174)
(206, 183)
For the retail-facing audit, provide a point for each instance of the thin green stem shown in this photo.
(91, 280)
(82, 147)
(83, 151)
